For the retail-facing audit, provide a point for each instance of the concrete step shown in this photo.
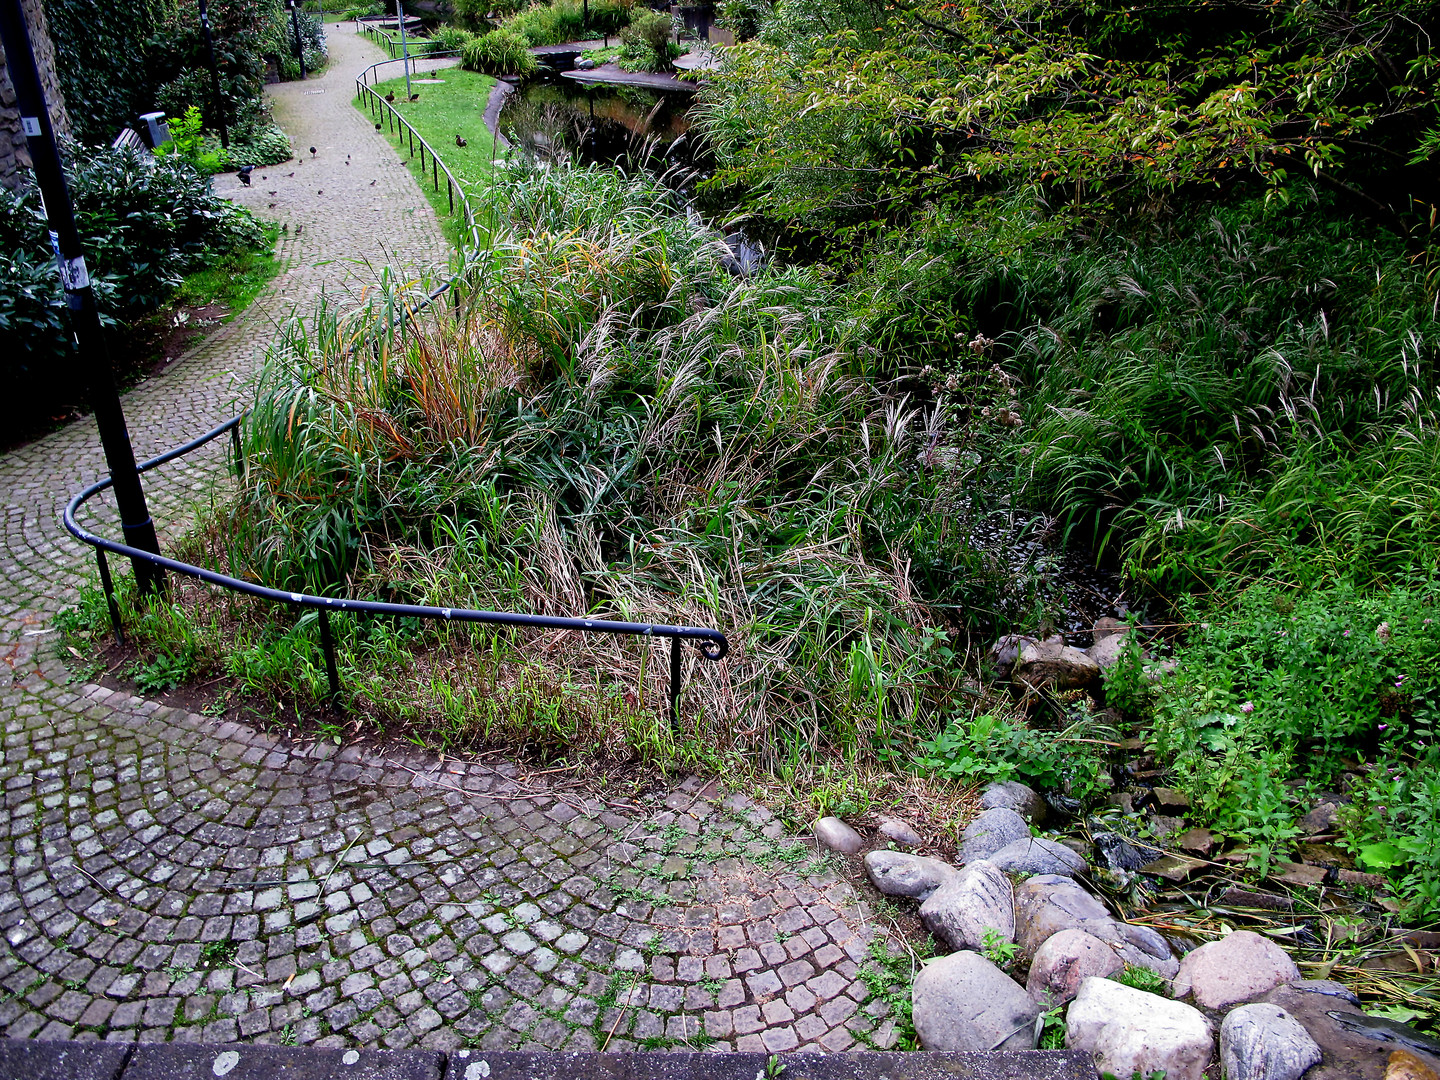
(35, 1060)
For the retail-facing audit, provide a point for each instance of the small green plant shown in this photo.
(1052, 1030)
(500, 52)
(889, 977)
(997, 950)
(774, 1068)
(162, 673)
(1142, 979)
(187, 141)
(1126, 687)
(215, 954)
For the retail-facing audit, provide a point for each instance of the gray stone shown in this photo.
(1111, 636)
(1239, 967)
(1036, 855)
(248, 1061)
(899, 831)
(837, 836)
(964, 1002)
(1264, 1042)
(1056, 665)
(1122, 854)
(1126, 1031)
(1013, 795)
(898, 873)
(1048, 904)
(1064, 961)
(977, 899)
(1006, 651)
(36, 1060)
(1353, 1046)
(991, 831)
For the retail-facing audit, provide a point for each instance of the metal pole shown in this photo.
(109, 587)
(328, 644)
(404, 48)
(214, 76)
(675, 686)
(79, 298)
(299, 45)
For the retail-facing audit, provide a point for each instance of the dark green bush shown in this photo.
(646, 45)
(143, 227)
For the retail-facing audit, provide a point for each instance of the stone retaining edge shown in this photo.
(40, 1060)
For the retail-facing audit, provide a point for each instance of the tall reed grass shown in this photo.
(604, 422)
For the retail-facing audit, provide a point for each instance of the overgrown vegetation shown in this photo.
(118, 61)
(144, 227)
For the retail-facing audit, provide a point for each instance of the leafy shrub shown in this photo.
(361, 11)
(1291, 685)
(452, 38)
(143, 225)
(742, 17)
(564, 20)
(257, 144)
(1000, 747)
(187, 142)
(498, 53)
(646, 43)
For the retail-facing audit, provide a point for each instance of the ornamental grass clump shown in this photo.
(605, 423)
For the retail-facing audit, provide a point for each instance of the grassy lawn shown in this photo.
(446, 109)
(235, 280)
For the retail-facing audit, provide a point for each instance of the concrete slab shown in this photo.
(35, 1059)
(245, 1061)
(1029, 1065)
(615, 75)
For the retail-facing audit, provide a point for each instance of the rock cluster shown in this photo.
(1240, 997)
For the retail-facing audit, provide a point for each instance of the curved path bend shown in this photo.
(164, 876)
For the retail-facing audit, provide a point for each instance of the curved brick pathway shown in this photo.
(163, 876)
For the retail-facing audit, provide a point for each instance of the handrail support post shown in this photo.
(327, 643)
(675, 686)
(109, 587)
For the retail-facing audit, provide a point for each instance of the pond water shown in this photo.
(555, 117)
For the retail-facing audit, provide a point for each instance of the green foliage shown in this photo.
(742, 17)
(1299, 684)
(997, 950)
(100, 57)
(187, 141)
(452, 38)
(499, 52)
(162, 673)
(646, 43)
(1052, 1032)
(254, 144)
(1001, 747)
(1100, 105)
(1126, 687)
(889, 977)
(143, 226)
(560, 21)
(1142, 979)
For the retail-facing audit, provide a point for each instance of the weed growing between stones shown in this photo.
(889, 976)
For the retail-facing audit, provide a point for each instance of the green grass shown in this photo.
(235, 280)
(446, 109)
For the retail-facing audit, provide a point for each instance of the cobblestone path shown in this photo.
(164, 876)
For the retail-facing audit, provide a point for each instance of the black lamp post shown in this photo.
(214, 76)
(299, 45)
(90, 346)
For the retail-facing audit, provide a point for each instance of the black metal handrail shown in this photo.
(712, 644)
(373, 101)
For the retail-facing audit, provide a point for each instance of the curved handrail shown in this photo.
(712, 644)
(367, 95)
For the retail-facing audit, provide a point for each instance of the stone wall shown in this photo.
(13, 154)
